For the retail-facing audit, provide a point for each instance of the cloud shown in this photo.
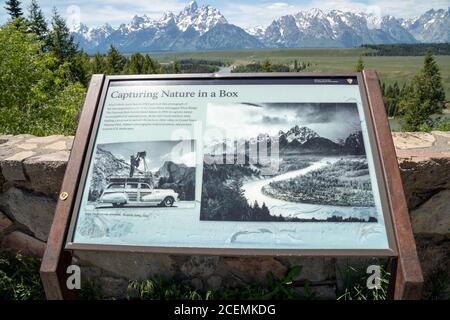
(99, 12)
(115, 12)
(280, 6)
(330, 120)
(250, 15)
(273, 120)
(188, 159)
(244, 13)
(317, 113)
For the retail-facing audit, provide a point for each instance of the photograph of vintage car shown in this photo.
(120, 194)
(143, 174)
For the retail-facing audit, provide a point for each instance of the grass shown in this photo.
(160, 288)
(333, 60)
(355, 284)
(19, 278)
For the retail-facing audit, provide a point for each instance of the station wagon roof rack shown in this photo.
(124, 179)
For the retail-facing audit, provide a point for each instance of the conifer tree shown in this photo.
(137, 64)
(13, 7)
(150, 66)
(427, 97)
(115, 62)
(37, 23)
(175, 67)
(388, 100)
(432, 87)
(266, 66)
(359, 65)
(406, 91)
(98, 64)
(61, 41)
(264, 210)
(79, 67)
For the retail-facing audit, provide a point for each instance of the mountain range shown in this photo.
(297, 139)
(305, 140)
(205, 28)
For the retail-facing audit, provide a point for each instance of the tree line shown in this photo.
(115, 63)
(225, 201)
(410, 49)
(268, 66)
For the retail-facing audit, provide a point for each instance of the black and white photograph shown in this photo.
(143, 174)
(321, 172)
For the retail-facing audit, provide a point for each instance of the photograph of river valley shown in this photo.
(286, 162)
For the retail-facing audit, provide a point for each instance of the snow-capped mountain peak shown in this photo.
(432, 26)
(300, 134)
(79, 28)
(205, 28)
(200, 18)
(316, 28)
(373, 21)
(257, 31)
(316, 13)
(191, 8)
(140, 22)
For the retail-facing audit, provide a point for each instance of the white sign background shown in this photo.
(176, 227)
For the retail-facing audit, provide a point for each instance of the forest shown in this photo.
(223, 198)
(268, 66)
(413, 49)
(344, 183)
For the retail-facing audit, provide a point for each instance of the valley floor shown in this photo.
(253, 191)
(328, 60)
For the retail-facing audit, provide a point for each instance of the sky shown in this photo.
(236, 121)
(244, 13)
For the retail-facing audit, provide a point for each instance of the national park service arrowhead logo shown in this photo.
(350, 81)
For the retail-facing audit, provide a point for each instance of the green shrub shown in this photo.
(36, 95)
(19, 278)
(442, 125)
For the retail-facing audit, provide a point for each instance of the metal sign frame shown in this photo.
(405, 265)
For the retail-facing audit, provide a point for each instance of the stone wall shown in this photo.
(424, 161)
(32, 169)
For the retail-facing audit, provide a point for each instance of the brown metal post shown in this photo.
(408, 280)
(56, 260)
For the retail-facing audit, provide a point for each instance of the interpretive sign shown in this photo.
(246, 164)
(234, 164)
